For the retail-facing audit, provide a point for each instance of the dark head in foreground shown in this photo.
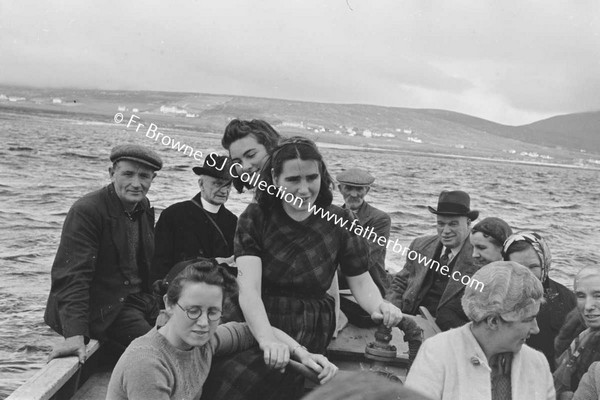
(364, 385)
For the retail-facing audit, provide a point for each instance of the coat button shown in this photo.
(126, 283)
(121, 299)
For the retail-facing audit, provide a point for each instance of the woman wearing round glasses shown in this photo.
(287, 255)
(172, 362)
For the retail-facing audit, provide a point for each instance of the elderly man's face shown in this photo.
(214, 190)
(587, 291)
(453, 230)
(354, 196)
(132, 181)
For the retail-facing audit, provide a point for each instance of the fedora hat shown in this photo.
(215, 166)
(455, 202)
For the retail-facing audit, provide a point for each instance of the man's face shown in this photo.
(214, 190)
(587, 292)
(453, 230)
(132, 181)
(354, 196)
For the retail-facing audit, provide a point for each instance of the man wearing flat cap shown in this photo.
(354, 184)
(200, 227)
(100, 275)
(418, 284)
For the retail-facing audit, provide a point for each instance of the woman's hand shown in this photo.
(388, 313)
(318, 363)
(276, 354)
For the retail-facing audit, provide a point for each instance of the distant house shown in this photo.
(408, 131)
(190, 115)
(56, 101)
(3, 97)
(135, 110)
(172, 110)
(459, 146)
(367, 133)
(414, 139)
(16, 99)
(122, 108)
(390, 135)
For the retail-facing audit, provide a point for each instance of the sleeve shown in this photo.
(400, 281)
(146, 377)
(354, 252)
(589, 385)
(451, 315)
(248, 237)
(232, 337)
(74, 267)
(164, 257)
(427, 374)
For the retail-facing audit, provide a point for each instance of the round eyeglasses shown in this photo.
(194, 313)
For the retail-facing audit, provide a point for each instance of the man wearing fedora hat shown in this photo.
(419, 285)
(200, 227)
(100, 287)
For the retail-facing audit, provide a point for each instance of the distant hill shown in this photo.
(425, 130)
(576, 131)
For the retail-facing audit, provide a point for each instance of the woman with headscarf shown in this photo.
(487, 359)
(585, 348)
(486, 237)
(530, 250)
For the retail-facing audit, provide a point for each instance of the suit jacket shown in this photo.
(184, 231)
(371, 217)
(408, 286)
(89, 284)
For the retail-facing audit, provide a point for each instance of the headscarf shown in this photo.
(539, 245)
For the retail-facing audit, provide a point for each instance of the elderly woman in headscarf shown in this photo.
(488, 358)
(487, 237)
(585, 349)
(530, 250)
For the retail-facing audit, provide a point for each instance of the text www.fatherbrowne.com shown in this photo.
(370, 234)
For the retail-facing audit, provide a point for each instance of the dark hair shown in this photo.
(495, 229)
(517, 246)
(196, 271)
(238, 129)
(296, 147)
(362, 385)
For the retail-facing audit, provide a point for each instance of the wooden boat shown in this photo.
(66, 379)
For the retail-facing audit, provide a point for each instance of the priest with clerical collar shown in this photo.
(200, 227)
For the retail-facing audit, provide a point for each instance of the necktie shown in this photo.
(445, 258)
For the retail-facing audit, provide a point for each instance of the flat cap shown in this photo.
(355, 177)
(134, 152)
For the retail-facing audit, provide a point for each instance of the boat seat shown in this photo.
(94, 388)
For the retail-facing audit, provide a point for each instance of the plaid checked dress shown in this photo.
(299, 259)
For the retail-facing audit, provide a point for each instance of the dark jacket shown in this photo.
(184, 231)
(371, 217)
(89, 284)
(559, 302)
(408, 286)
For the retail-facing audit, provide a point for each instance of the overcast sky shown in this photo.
(510, 61)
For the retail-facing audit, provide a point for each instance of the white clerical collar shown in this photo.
(211, 208)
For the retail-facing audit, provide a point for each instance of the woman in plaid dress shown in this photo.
(286, 256)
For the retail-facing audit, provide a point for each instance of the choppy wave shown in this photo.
(51, 162)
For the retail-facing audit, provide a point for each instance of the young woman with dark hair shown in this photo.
(172, 362)
(250, 144)
(287, 257)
